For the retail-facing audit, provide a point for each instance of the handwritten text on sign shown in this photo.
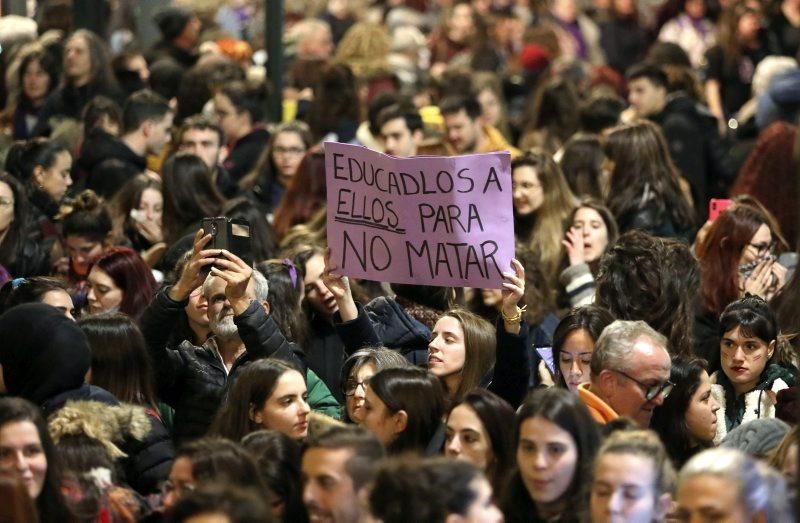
(426, 220)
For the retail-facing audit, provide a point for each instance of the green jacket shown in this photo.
(320, 398)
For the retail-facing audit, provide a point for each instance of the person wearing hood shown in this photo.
(45, 360)
(180, 34)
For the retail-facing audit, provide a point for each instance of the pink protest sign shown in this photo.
(427, 220)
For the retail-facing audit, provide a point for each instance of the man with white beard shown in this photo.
(193, 379)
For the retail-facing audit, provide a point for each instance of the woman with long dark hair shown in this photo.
(37, 76)
(573, 344)
(27, 449)
(553, 427)
(189, 196)
(19, 255)
(404, 408)
(268, 394)
(686, 421)
(479, 431)
(645, 189)
(278, 164)
(44, 167)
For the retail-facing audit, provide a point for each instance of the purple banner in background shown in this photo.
(427, 220)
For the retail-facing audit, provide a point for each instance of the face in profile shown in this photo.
(701, 414)
(446, 351)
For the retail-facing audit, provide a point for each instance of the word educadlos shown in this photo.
(426, 220)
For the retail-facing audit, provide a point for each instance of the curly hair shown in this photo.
(651, 279)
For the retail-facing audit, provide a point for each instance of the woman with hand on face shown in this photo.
(591, 231)
(137, 210)
(479, 431)
(573, 344)
(356, 372)
(556, 442)
(756, 364)
(27, 450)
(633, 479)
(463, 346)
(687, 420)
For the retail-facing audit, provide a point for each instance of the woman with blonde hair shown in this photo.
(543, 203)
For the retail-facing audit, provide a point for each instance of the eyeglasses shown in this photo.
(293, 151)
(763, 248)
(651, 392)
(350, 386)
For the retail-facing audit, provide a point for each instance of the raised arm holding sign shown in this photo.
(426, 220)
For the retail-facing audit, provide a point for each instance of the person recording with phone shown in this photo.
(193, 379)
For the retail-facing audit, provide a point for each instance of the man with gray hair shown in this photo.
(193, 379)
(629, 373)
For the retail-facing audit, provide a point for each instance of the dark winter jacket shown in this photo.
(68, 102)
(325, 354)
(244, 154)
(193, 379)
(32, 260)
(45, 360)
(695, 146)
(108, 163)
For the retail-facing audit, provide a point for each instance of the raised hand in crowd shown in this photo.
(236, 274)
(340, 288)
(513, 291)
(193, 274)
(574, 246)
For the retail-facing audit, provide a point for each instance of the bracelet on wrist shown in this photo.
(516, 318)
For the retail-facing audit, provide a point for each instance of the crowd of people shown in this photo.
(638, 364)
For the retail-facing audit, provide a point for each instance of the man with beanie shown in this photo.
(180, 34)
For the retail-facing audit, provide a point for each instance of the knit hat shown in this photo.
(534, 58)
(172, 20)
(43, 352)
(758, 437)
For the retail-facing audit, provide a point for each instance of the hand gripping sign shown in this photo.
(426, 220)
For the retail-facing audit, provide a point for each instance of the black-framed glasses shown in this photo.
(651, 392)
(349, 387)
(764, 247)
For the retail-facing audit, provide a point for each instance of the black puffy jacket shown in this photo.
(193, 379)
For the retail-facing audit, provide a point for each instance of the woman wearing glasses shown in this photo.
(278, 164)
(756, 364)
(356, 372)
(737, 257)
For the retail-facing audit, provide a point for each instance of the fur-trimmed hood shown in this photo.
(110, 424)
(759, 403)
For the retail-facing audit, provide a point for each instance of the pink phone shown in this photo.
(716, 206)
